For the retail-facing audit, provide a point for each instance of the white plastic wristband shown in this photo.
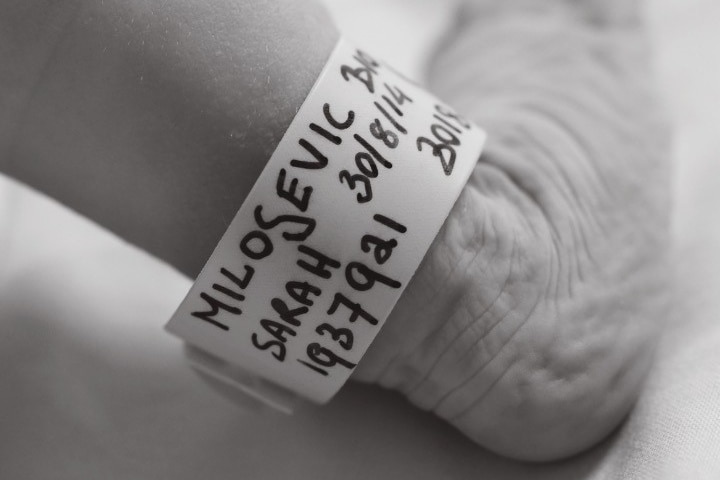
(330, 234)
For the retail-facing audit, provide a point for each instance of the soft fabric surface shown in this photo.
(93, 388)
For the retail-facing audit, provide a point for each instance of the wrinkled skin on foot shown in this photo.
(531, 322)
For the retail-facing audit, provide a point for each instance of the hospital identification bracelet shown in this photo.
(330, 234)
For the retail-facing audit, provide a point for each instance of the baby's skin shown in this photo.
(530, 324)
